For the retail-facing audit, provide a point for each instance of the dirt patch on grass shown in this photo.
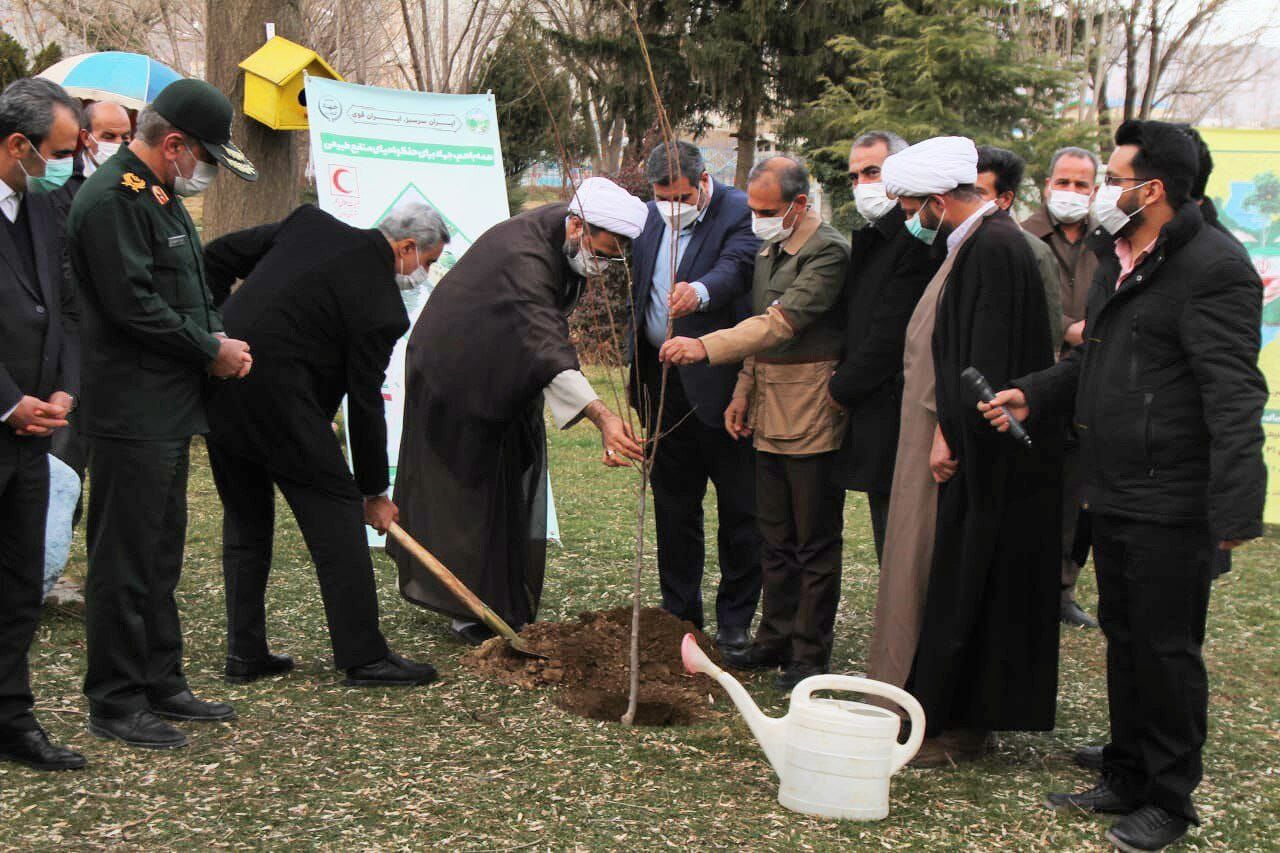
(588, 667)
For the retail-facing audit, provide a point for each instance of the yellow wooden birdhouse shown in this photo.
(274, 76)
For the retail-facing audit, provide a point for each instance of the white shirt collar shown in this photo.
(9, 200)
(962, 230)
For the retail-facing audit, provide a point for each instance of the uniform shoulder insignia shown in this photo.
(161, 196)
(133, 182)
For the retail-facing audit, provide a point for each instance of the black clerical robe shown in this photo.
(988, 652)
(471, 479)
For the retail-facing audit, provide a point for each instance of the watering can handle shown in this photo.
(902, 752)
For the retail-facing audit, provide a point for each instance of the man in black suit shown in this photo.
(39, 376)
(321, 310)
(693, 271)
(888, 270)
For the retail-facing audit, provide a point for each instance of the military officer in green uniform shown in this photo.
(152, 339)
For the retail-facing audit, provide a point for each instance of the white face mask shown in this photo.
(583, 262)
(769, 228)
(871, 200)
(106, 150)
(679, 215)
(1068, 206)
(415, 279)
(201, 177)
(1107, 210)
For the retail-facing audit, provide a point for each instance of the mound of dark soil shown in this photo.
(588, 667)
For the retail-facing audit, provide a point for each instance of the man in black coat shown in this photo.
(1168, 401)
(39, 378)
(693, 270)
(322, 311)
(888, 270)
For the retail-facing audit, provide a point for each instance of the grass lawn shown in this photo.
(476, 765)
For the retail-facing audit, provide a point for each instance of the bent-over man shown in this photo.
(321, 310)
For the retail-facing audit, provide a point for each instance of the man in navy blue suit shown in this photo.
(692, 276)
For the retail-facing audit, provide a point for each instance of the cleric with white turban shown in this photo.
(490, 350)
(931, 167)
(975, 630)
(606, 205)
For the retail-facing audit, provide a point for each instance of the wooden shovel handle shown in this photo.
(451, 582)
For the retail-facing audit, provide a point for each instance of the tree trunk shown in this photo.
(1131, 61)
(234, 29)
(748, 122)
(1153, 64)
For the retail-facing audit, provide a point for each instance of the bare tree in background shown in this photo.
(1174, 48)
(235, 29)
(448, 42)
(169, 30)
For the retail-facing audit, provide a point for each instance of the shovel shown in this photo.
(459, 589)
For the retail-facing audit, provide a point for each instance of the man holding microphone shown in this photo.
(1167, 400)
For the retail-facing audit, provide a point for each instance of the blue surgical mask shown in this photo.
(56, 173)
(924, 235)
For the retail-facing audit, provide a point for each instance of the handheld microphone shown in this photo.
(982, 388)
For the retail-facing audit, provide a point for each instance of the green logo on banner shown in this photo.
(413, 152)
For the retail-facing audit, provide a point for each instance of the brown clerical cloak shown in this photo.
(471, 480)
(987, 658)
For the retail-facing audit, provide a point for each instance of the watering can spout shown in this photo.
(769, 731)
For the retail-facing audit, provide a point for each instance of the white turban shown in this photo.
(606, 205)
(932, 167)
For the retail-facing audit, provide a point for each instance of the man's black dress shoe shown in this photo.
(141, 728)
(184, 706)
(33, 749)
(756, 656)
(242, 671)
(795, 673)
(390, 671)
(732, 639)
(1100, 798)
(1089, 757)
(1071, 613)
(1149, 828)
(473, 633)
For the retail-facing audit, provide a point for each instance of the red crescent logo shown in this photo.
(337, 181)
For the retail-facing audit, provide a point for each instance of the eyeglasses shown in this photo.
(1115, 181)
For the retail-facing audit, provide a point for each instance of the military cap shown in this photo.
(201, 111)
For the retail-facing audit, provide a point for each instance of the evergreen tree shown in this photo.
(603, 56)
(935, 67)
(759, 59)
(48, 57)
(527, 106)
(13, 60)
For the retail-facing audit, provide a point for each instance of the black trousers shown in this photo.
(878, 504)
(1153, 597)
(689, 454)
(24, 504)
(801, 517)
(137, 528)
(333, 527)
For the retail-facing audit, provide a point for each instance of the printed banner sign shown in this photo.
(1245, 186)
(373, 149)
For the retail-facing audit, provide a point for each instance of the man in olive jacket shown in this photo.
(151, 340)
(1168, 401)
(789, 349)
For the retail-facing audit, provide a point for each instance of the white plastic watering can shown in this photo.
(834, 758)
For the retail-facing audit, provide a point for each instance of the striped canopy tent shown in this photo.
(128, 79)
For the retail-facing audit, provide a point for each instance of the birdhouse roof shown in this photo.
(280, 60)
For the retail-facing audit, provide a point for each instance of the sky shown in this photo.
(1245, 15)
